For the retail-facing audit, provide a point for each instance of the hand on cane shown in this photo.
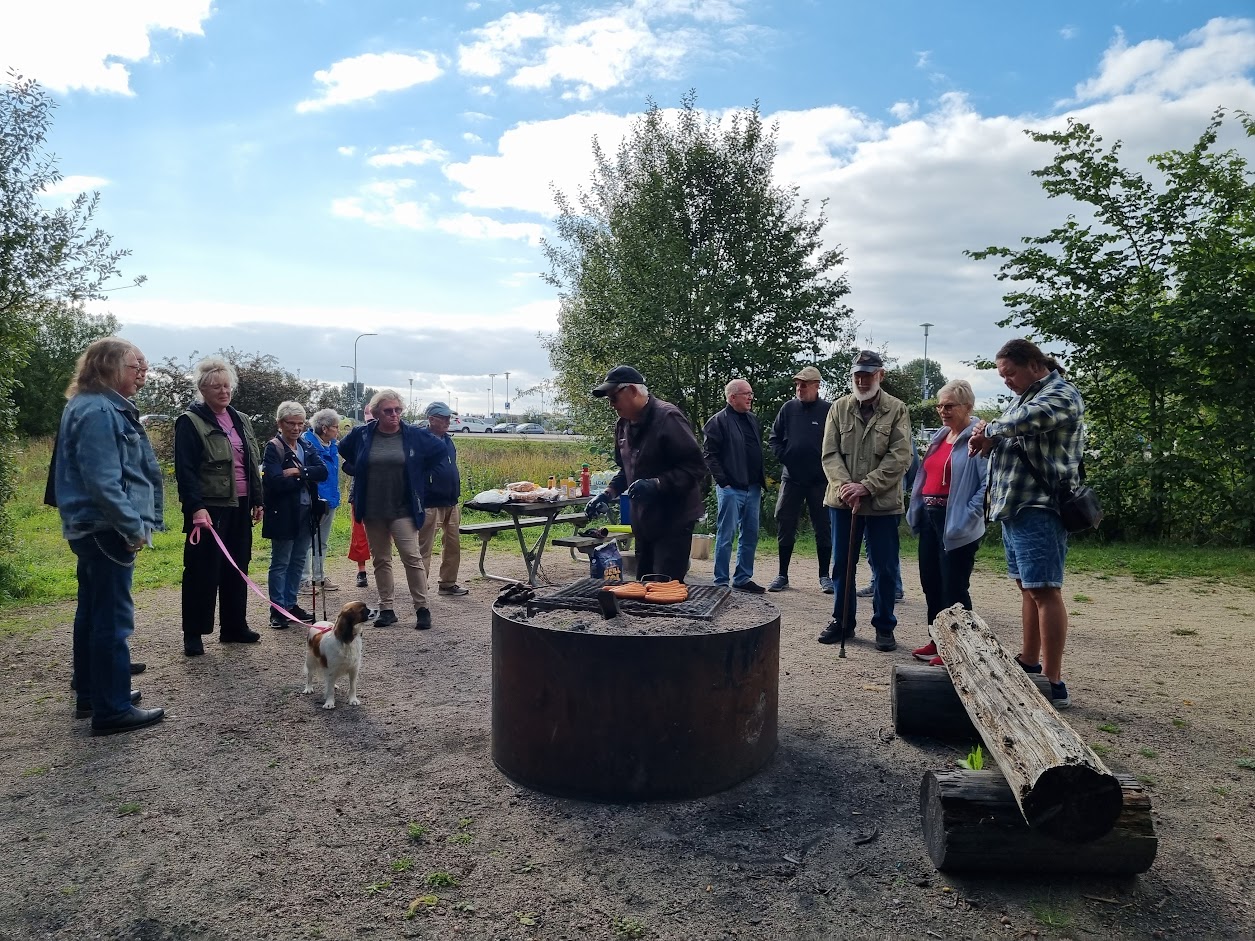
(852, 493)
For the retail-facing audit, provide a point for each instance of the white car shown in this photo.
(469, 424)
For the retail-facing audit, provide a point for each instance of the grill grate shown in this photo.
(703, 601)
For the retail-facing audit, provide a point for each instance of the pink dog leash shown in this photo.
(194, 538)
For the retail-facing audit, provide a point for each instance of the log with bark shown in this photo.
(924, 702)
(972, 824)
(1063, 788)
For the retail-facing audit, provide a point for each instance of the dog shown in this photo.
(337, 650)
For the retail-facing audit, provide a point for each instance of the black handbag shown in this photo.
(1078, 507)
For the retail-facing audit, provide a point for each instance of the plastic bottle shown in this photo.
(586, 482)
(551, 481)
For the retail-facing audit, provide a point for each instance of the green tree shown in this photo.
(684, 258)
(1153, 300)
(62, 332)
(46, 255)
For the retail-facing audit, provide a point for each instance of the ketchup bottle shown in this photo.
(586, 482)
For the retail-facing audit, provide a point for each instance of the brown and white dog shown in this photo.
(337, 649)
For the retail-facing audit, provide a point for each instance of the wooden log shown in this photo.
(1063, 788)
(972, 824)
(924, 702)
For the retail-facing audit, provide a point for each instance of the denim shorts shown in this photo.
(1036, 545)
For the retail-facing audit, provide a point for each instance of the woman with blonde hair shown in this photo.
(108, 490)
(217, 466)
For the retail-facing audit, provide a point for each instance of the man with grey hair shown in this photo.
(444, 505)
(733, 450)
(321, 439)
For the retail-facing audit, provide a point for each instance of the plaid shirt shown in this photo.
(1046, 422)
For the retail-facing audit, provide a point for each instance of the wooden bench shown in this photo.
(486, 531)
(586, 544)
(516, 524)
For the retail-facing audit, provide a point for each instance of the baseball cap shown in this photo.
(868, 361)
(439, 410)
(618, 376)
(809, 374)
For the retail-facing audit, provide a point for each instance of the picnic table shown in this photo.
(518, 517)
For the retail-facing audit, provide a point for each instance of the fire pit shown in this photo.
(662, 701)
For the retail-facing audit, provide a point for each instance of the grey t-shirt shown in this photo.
(387, 497)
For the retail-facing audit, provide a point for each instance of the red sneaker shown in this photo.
(927, 652)
(936, 662)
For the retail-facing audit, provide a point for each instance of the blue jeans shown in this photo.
(881, 533)
(897, 570)
(738, 510)
(314, 561)
(287, 560)
(103, 621)
(1036, 546)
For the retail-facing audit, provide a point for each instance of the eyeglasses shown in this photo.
(946, 406)
(390, 411)
(140, 368)
(293, 422)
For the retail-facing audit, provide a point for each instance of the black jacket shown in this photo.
(661, 445)
(189, 452)
(283, 519)
(724, 449)
(797, 439)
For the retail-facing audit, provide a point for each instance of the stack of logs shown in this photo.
(1053, 807)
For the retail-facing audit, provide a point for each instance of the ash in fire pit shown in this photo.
(711, 609)
(637, 707)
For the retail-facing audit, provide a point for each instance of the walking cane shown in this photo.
(849, 578)
(316, 534)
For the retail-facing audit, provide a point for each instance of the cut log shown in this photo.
(972, 824)
(924, 702)
(1063, 788)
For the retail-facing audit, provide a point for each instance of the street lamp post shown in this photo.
(507, 392)
(357, 401)
(923, 382)
(492, 383)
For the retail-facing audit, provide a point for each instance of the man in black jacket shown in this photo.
(796, 440)
(733, 450)
(660, 469)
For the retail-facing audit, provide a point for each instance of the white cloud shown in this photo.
(405, 155)
(346, 151)
(73, 185)
(923, 59)
(603, 48)
(1069, 32)
(383, 203)
(903, 110)
(363, 77)
(470, 226)
(472, 138)
(1222, 49)
(72, 44)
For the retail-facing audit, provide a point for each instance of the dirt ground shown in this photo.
(252, 813)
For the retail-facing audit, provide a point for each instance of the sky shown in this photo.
(292, 174)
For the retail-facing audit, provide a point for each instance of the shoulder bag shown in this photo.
(1078, 507)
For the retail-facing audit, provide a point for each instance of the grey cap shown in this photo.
(868, 361)
(439, 409)
(619, 376)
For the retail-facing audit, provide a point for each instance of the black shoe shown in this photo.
(779, 583)
(245, 636)
(864, 592)
(136, 718)
(885, 641)
(387, 617)
(424, 620)
(361, 579)
(750, 588)
(138, 668)
(832, 634)
(825, 584)
(301, 614)
(193, 646)
(1028, 667)
(279, 622)
(84, 709)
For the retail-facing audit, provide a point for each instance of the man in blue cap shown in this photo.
(444, 505)
(660, 468)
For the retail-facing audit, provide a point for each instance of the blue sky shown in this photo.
(292, 173)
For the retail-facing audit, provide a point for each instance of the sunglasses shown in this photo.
(391, 411)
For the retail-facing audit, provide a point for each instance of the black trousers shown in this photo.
(944, 576)
(789, 511)
(667, 554)
(208, 579)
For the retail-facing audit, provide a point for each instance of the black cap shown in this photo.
(619, 376)
(868, 361)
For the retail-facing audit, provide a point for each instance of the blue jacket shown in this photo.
(965, 510)
(107, 476)
(444, 484)
(423, 451)
(328, 489)
(284, 519)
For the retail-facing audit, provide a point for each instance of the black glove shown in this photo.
(643, 489)
(597, 505)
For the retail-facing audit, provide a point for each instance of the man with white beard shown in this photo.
(866, 452)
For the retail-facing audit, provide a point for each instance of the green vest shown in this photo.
(217, 466)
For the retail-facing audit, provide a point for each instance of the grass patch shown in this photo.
(1184, 631)
(1180, 724)
(1050, 916)
(1083, 599)
(1109, 727)
(1101, 749)
(129, 809)
(1148, 753)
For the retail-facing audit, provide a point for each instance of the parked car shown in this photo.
(503, 428)
(529, 428)
(470, 424)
